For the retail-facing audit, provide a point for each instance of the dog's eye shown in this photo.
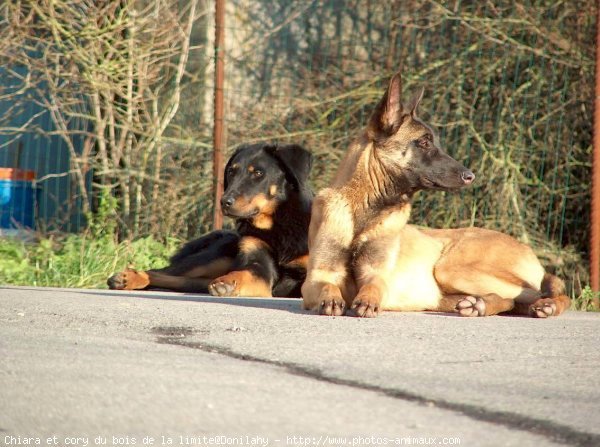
(258, 173)
(425, 141)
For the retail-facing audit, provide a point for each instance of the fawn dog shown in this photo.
(364, 258)
(267, 194)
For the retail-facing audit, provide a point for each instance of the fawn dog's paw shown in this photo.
(331, 301)
(128, 280)
(543, 308)
(471, 306)
(367, 303)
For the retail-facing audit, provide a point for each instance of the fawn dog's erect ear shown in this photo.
(415, 101)
(295, 160)
(389, 113)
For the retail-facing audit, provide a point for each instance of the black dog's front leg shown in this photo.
(254, 273)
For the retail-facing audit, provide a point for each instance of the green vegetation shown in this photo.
(585, 301)
(81, 260)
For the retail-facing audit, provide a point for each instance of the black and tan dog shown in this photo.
(267, 194)
(365, 258)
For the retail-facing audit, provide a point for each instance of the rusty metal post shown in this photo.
(218, 107)
(595, 217)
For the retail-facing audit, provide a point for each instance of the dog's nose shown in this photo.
(467, 177)
(226, 202)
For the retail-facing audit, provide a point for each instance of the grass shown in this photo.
(585, 301)
(77, 260)
(83, 260)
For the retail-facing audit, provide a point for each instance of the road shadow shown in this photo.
(293, 305)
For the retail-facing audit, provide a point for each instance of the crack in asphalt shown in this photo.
(551, 430)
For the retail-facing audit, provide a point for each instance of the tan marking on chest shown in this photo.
(250, 244)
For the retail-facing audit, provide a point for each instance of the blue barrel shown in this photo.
(17, 199)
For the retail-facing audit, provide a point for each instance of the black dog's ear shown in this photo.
(295, 160)
(229, 163)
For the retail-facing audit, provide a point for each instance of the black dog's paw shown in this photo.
(128, 280)
(223, 287)
(117, 282)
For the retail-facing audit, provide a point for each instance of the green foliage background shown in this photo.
(81, 260)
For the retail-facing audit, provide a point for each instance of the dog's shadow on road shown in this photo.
(293, 305)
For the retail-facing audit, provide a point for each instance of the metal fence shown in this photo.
(509, 85)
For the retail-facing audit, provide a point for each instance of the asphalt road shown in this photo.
(91, 367)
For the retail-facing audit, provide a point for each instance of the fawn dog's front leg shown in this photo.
(328, 282)
(375, 253)
(372, 265)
